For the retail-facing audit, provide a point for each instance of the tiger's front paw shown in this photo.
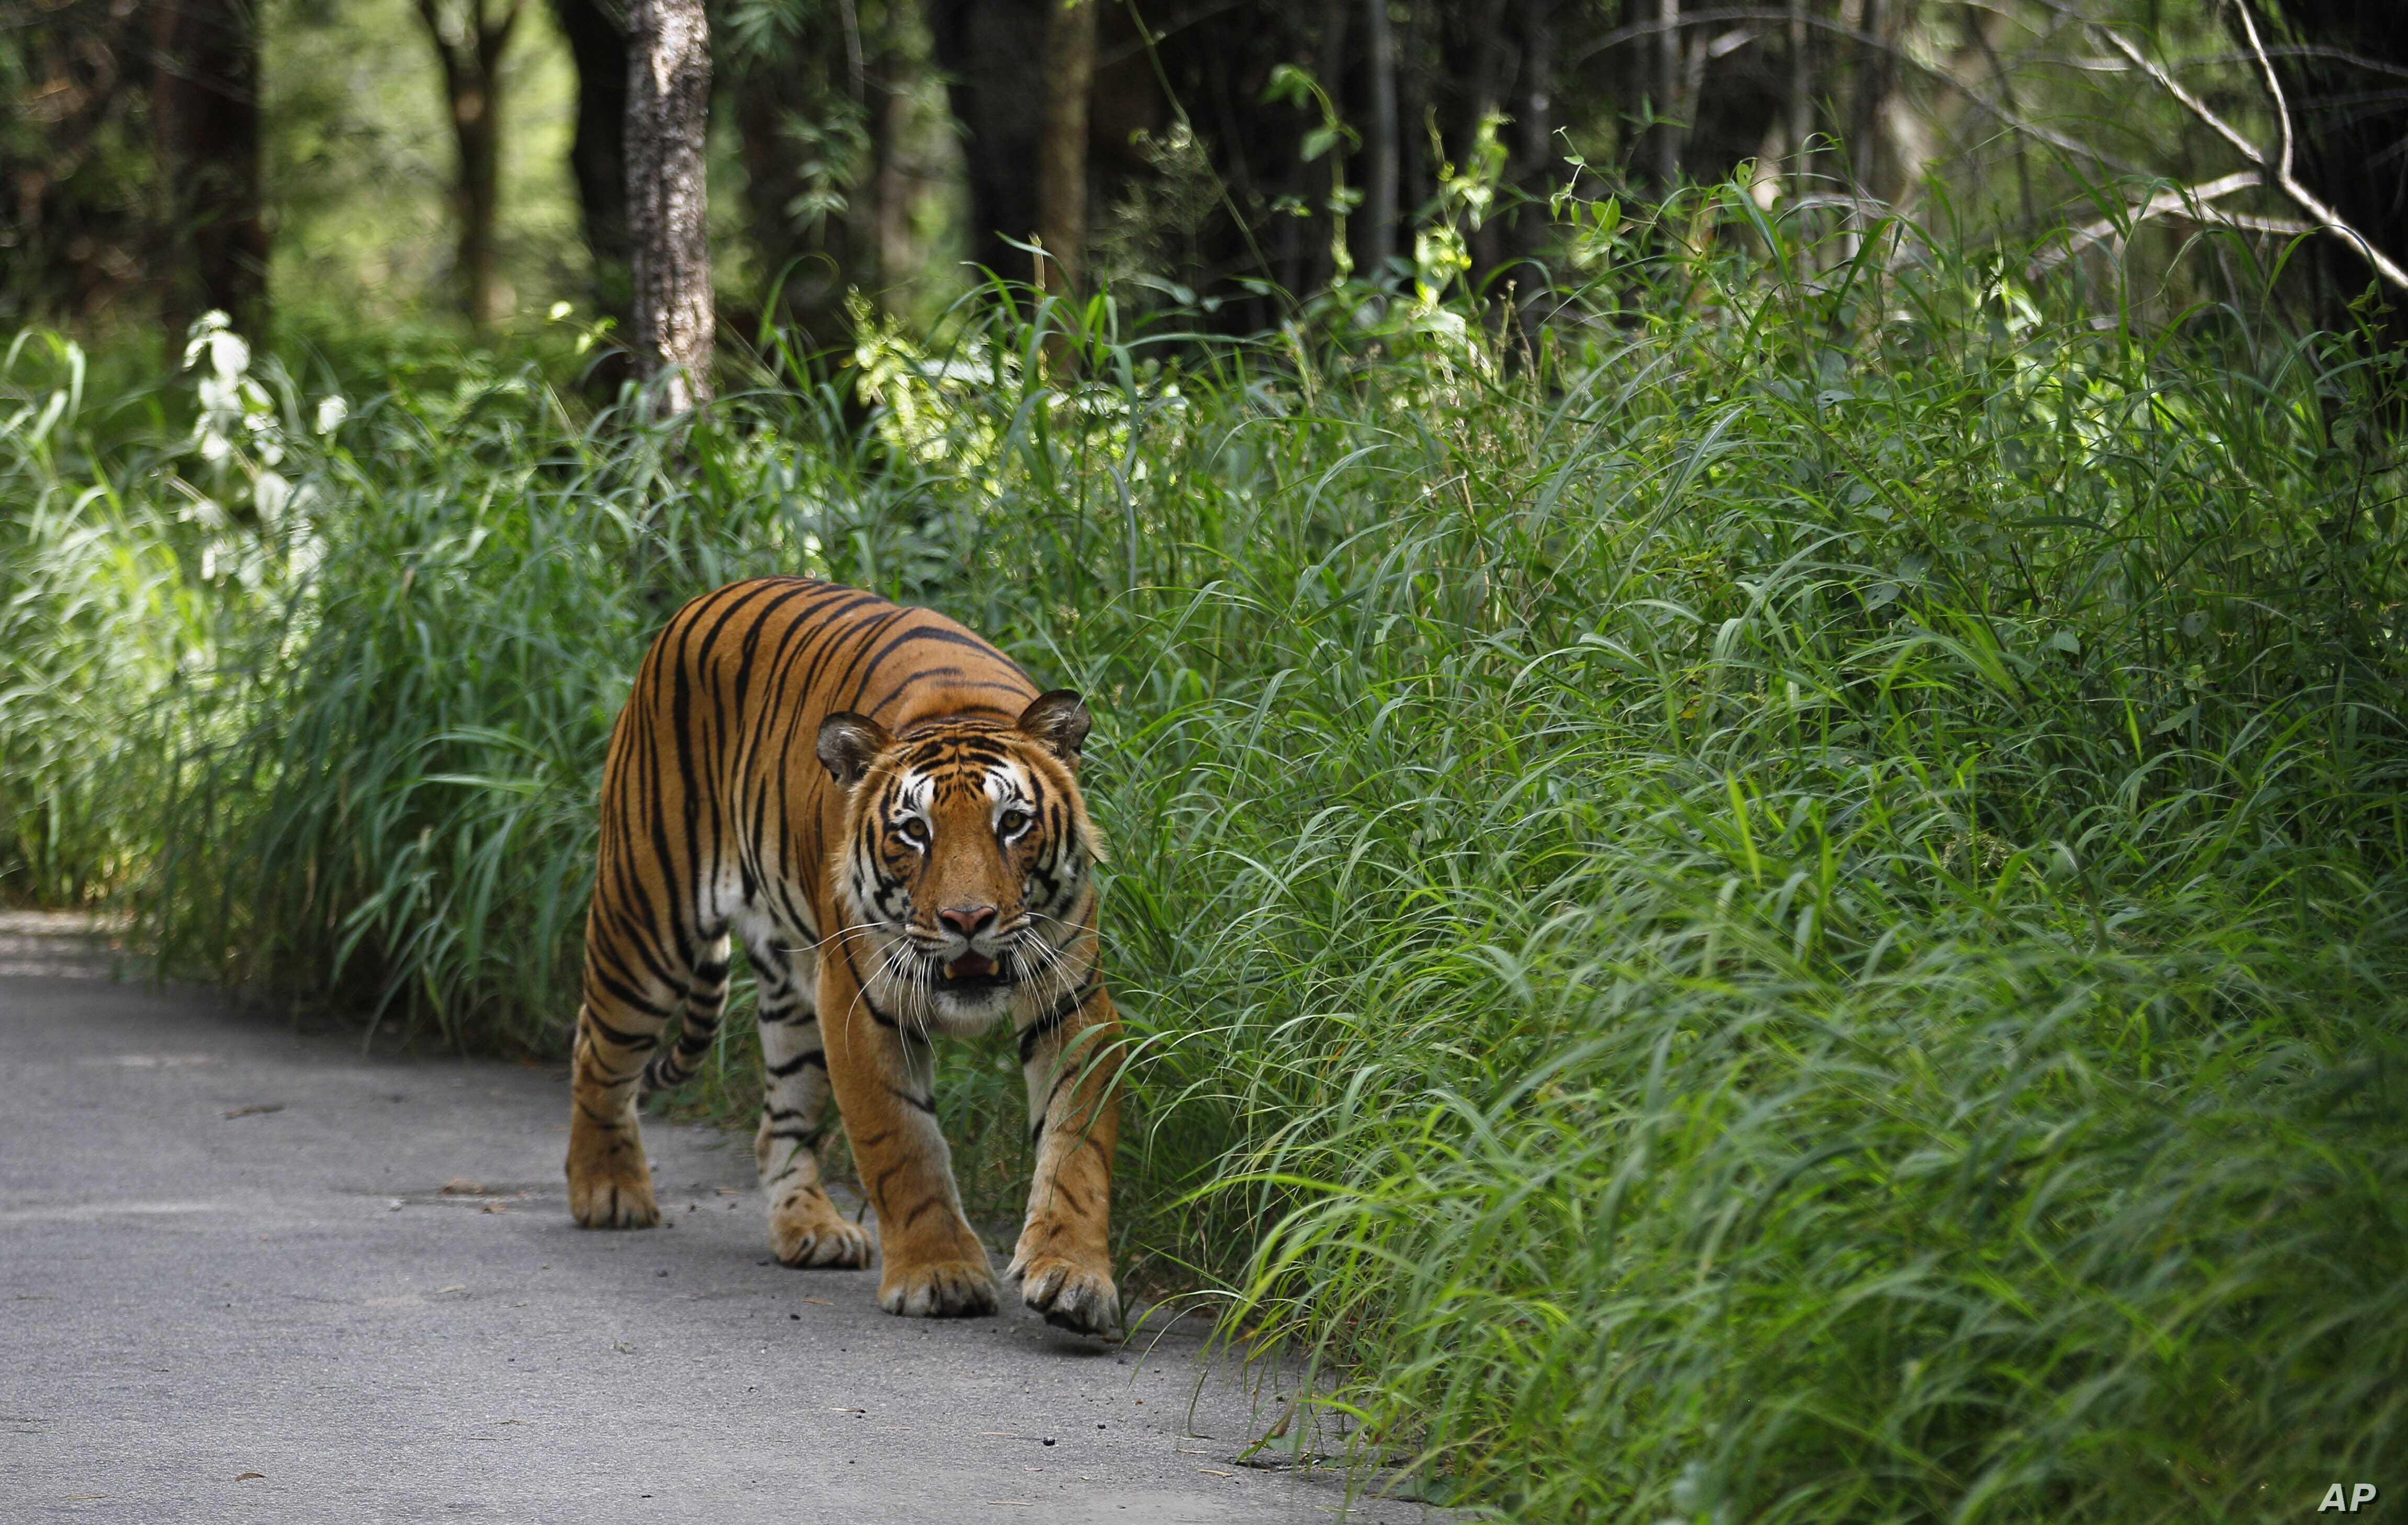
(613, 1198)
(806, 1230)
(610, 1184)
(939, 1289)
(1081, 1299)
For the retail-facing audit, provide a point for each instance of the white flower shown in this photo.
(229, 357)
(204, 327)
(332, 410)
(270, 494)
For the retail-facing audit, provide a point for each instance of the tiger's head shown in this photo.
(966, 873)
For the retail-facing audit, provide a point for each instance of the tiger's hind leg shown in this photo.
(637, 978)
(609, 1182)
(805, 1228)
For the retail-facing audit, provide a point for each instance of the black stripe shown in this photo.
(605, 981)
(938, 633)
(1047, 1110)
(1033, 1034)
(862, 635)
(969, 717)
(783, 1071)
(619, 1037)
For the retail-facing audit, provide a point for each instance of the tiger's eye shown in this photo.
(913, 829)
(1013, 823)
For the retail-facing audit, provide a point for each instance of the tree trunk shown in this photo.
(76, 240)
(1062, 142)
(891, 250)
(1379, 163)
(802, 194)
(598, 157)
(1801, 102)
(1416, 175)
(668, 114)
(1531, 171)
(1669, 107)
(1876, 74)
(992, 52)
(480, 192)
(205, 113)
(1538, 93)
(1483, 54)
(470, 44)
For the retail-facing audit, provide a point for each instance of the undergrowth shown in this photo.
(1774, 897)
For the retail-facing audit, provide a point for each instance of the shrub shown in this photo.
(1780, 901)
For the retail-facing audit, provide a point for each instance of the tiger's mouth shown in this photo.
(972, 971)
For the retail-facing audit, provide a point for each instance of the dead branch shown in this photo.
(1903, 57)
(2194, 202)
(2326, 219)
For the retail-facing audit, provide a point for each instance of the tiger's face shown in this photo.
(967, 866)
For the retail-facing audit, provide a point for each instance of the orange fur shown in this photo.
(886, 811)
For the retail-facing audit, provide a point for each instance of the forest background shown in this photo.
(349, 166)
(1747, 656)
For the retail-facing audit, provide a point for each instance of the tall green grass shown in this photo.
(1780, 901)
(106, 632)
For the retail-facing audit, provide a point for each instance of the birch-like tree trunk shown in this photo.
(668, 113)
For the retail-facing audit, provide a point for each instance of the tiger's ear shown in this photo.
(848, 744)
(1059, 721)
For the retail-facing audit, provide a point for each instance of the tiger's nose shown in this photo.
(969, 920)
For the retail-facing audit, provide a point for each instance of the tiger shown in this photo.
(886, 810)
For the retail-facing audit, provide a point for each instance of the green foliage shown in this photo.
(112, 606)
(359, 159)
(1779, 904)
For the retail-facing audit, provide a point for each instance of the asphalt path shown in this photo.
(248, 1274)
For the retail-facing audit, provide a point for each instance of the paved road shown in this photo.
(233, 1286)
